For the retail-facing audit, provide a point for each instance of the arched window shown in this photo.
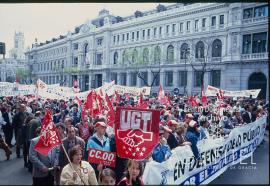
(134, 56)
(199, 52)
(170, 54)
(115, 58)
(48, 66)
(124, 57)
(216, 48)
(184, 53)
(157, 54)
(85, 51)
(146, 55)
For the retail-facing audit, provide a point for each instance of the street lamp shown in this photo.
(62, 73)
(185, 52)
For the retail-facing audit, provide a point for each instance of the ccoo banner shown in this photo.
(217, 156)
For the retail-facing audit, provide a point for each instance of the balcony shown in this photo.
(255, 19)
(255, 56)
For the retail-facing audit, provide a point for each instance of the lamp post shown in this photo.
(185, 51)
(62, 73)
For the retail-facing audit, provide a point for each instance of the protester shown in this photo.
(203, 129)
(107, 177)
(78, 172)
(181, 135)
(133, 175)
(99, 141)
(192, 136)
(248, 116)
(162, 151)
(70, 141)
(7, 128)
(42, 174)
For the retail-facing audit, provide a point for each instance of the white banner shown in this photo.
(212, 91)
(217, 156)
(132, 90)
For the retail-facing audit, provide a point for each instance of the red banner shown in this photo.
(102, 157)
(136, 132)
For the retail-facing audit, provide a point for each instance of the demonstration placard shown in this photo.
(217, 155)
(101, 157)
(136, 132)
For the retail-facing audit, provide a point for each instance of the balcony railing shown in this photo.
(255, 56)
(255, 19)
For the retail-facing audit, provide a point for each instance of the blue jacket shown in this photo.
(193, 138)
(94, 143)
(160, 152)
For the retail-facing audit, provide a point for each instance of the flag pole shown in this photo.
(71, 163)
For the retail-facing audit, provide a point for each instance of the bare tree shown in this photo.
(203, 58)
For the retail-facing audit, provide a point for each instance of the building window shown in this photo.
(246, 44)
(134, 56)
(114, 77)
(184, 53)
(170, 54)
(199, 51)
(182, 75)
(167, 28)
(133, 79)
(169, 78)
(138, 34)
(124, 57)
(215, 78)
(196, 24)
(198, 78)
(148, 33)
(16, 44)
(188, 25)
(261, 11)
(173, 28)
(160, 30)
(123, 77)
(146, 55)
(144, 78)
(127, 36)
(143, 33)
(133, 36)
(115, 57)
(75, 62)
(118, 38)
(216, 48)
(123, 37)
(157, 54)
(248, 13)
(221, 19)
(259, 42)
(156, 75)
(155, 32)
(99, 59)
(181, 27)
(99, 41)
(213, 23)
(75, 46)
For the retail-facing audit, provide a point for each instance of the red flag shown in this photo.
(49, 137)
(142, 104)
(127, 96)
(111, 113)
(136, 138)
(92, 105)
(161, 95)
(204, 98)
(192, 101)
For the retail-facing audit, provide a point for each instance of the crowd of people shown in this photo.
(180, 125)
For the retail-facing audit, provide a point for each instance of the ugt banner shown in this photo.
(136, 132)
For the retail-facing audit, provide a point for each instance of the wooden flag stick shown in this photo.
(71, 163)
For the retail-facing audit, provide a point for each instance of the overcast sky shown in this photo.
(45, 21)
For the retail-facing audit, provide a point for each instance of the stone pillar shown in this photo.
(128, 78)
(175, 79)
(162, 77)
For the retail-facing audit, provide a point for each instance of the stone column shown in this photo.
(189, 81)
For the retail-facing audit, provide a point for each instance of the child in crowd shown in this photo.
(107, 177)
(134, 173)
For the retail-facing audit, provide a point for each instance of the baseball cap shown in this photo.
(193, 124)
(172, 122)
(100, 123)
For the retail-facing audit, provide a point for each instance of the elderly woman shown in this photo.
(78, 172)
